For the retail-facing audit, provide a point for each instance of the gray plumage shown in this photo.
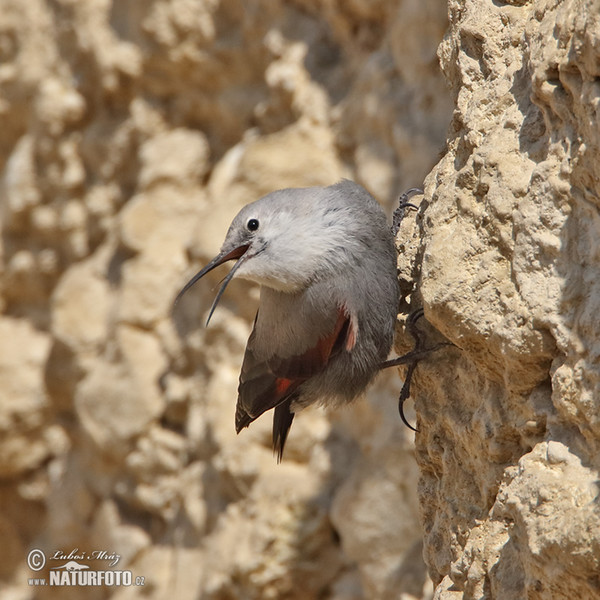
(325, 260)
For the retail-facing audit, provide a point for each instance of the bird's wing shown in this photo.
(266, 384)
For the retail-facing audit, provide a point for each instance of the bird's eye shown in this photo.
(252, 224)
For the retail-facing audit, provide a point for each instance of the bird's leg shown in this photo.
(403, 204)
(411, 359)
(411, 326)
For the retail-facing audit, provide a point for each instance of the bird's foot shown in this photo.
(412, 359)
(403, 204)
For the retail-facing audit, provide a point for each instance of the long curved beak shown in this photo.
(236, 253)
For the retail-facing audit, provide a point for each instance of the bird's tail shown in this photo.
(282, 421)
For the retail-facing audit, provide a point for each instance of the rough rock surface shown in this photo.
(509, 421)
(132, 131)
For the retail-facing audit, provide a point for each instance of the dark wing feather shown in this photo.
(273, 383)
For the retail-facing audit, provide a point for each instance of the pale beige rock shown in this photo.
(18, 189)
(110, 533)
(132, 133)
(258, 542)
(508, 429)
(166, 571)
(81, 308)
(58, 105)
(386, 545)
(156, 225)
(179, 155)
(553, 499)
(23, 402)
(117, 401)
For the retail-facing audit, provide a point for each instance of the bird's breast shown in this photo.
(289, 323)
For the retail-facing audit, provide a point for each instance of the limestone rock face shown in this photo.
(509, 420)
(132, 132)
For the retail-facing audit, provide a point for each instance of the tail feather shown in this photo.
(282, 421)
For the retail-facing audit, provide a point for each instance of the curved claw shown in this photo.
(403, 204)
(404, 394)
(411, 359)
(404, 420)
(414, 316)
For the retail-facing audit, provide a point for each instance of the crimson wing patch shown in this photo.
(274, 383)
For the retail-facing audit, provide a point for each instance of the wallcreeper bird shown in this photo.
(325, 261)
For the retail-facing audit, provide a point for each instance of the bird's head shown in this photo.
(284, 240)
